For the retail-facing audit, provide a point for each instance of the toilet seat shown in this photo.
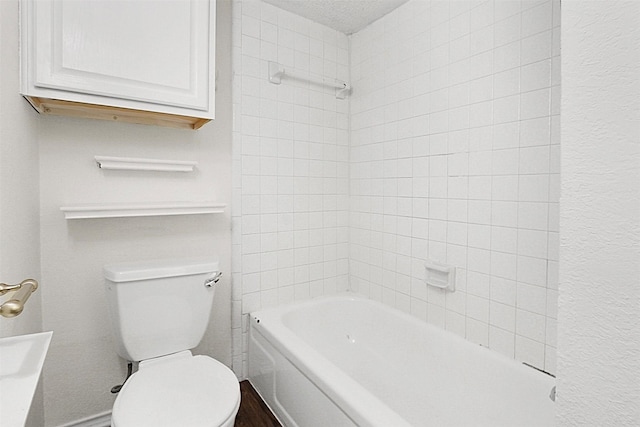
(178, 390)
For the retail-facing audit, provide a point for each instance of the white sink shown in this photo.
(21, 360)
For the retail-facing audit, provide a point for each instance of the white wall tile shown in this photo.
(503, 316)
(530, 325)
(502, 341)
(448, 150)
(503, 265)
(529, 351)
(477, 331)
(289, 140)
(535, 76)
(536, 48)
(535, 132)
(507, 83)
(504, 239)
(535, 104)
(478, 284)
(506, 109)
(508, 30)
(537, 19)
(532, 270)
(503, 291)
(507, 56)
(505, 187)
(532, 298)
(533, 188)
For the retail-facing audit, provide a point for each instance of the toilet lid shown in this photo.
(178, 390)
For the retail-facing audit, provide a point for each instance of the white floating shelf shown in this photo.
(141, 209)
(138, 164)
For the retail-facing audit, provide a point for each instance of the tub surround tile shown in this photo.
(290, 164)
(447, 149)
(485, 82)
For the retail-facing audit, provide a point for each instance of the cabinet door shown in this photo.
(153, 51)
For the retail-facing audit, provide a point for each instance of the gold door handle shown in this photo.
(23, 290)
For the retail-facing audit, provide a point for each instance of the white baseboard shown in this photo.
(98, 420)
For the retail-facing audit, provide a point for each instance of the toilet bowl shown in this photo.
(159, 311)
(178, 390)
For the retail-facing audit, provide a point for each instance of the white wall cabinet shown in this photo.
(149, 61)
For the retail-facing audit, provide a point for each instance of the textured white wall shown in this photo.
(599, 302)
(82, 364)
(455, 158)
(19, 204)
(290, 164)
(19, 209)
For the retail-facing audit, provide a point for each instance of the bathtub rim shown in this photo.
(357, 403)
(351, 397)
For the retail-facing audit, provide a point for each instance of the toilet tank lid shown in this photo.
(159, 268)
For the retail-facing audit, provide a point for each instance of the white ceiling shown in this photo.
(347, 16)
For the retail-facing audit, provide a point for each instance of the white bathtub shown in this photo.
(346, 360)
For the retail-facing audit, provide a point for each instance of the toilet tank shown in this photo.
(159, 307)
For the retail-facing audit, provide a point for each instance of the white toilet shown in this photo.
(159, 311)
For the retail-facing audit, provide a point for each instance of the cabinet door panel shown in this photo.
(150, 51)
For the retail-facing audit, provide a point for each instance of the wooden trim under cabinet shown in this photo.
(103, 112)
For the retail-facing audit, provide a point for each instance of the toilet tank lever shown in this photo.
(213, 280)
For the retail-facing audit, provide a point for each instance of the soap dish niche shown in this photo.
(440, 276)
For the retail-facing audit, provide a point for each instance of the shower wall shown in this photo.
(447, 149)
(290, 164)
(454, 157)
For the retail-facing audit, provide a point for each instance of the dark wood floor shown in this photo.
(253, 411)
